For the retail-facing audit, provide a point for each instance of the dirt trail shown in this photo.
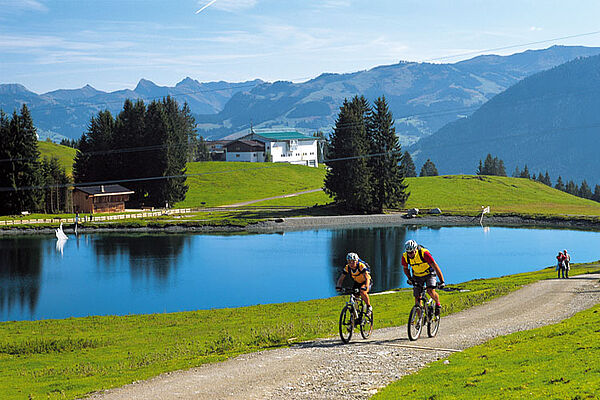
(326, 369)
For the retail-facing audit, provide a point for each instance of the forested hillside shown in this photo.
(549, 122)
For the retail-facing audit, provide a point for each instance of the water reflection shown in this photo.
(20, 270)
(149, 255)
(381, 248)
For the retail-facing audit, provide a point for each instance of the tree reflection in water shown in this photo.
(20, 270)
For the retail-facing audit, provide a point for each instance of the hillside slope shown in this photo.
(549, 121)
(467, 193)
(64, 154)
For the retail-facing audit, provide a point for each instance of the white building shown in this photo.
(290, 146)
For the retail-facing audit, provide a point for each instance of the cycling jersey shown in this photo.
(419, 263)
(360, 273)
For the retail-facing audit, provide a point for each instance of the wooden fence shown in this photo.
(97, 218)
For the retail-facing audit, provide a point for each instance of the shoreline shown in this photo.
(331, 222)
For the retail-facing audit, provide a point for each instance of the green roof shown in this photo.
(283, 135)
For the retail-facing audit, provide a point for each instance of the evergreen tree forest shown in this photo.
(491, 166)
(27, 183)
(364, 154)
(145, 148)
(19, 164)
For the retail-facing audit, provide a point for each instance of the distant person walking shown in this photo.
(560, 264)
(567, 261)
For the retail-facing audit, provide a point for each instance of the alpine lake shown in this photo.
(143, 273)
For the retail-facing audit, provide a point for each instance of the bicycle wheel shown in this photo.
(433, 324)
(415, 323)
(346, 324)
(366, 325)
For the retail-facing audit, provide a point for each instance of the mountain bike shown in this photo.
(354, 314)
(423, 314)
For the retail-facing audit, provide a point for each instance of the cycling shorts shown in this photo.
(430, 280)
(357, 285)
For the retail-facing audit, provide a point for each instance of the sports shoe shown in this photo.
(369, 311)
(438, 308)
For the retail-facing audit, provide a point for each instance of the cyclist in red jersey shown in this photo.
(424, 271)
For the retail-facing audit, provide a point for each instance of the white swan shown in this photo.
(60, 235)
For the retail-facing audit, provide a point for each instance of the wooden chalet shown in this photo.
(100, 198)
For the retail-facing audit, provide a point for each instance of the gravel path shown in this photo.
(326, 369)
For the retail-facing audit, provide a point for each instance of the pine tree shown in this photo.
(428, 169)
(596, 196)
(525, 173)
(488, 165)
(540, 178)
(559, 184)
(128, 136)
(93, 160)
(348, 179)
(584, 190)
(408, 166)
(501, 171)
(203, 153)
(388, 186)
(547, 181)
(517, 173)
(571, 188)
(56, 191)
(480, 169)
(21, 173)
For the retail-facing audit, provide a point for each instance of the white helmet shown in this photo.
(410, 245)
(351, 257)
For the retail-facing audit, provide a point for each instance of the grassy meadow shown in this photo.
(553, 362)
(217, 183)
(64, 359)
(64, 154)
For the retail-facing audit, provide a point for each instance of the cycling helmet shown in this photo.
(410, 245)
(352, 257)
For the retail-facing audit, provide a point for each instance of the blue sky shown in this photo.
(47, 45)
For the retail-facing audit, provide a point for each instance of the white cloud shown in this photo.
(20, 6)
(229, 5)
(535, 28)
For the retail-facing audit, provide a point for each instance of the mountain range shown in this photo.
(549, 121)
(423, 97)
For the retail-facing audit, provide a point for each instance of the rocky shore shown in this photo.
(341, 221)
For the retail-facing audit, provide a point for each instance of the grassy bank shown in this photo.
(553, 362)
(67, 358)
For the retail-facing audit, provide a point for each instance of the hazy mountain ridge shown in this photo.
(549, 121)
(422, 96)
(67, 112)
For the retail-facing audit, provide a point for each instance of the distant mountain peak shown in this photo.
(145, 84)
(13, 88)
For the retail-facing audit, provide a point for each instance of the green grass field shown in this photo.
(64, 154)
(223, 183)
(64, 359)
(467, 193)
(554, 362)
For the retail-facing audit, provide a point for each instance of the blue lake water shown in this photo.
(118, 273)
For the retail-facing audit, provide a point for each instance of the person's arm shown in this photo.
(437, 270)
(427, 257)
(405, 267)
(367, 281)
(341, 279)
